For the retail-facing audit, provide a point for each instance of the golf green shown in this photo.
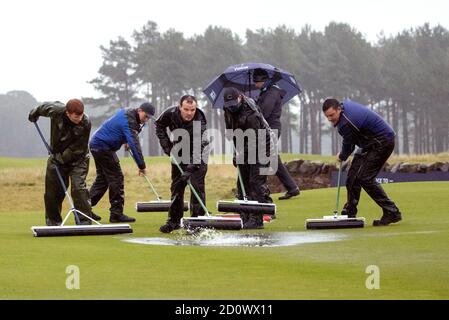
(407, 260)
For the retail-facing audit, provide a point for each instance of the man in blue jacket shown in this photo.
(121, 129)
(359, 126)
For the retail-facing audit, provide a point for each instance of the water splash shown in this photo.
(215, 238)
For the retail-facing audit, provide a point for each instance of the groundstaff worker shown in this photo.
(269, 102)
(242, 113)
(70, 130)
(184, 117)
(359, 126)
(121, 129)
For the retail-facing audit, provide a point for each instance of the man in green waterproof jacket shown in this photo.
(70, 130)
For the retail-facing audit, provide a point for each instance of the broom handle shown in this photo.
(146, 178)
(61, 181)
(338, 188)
(173, 159)
(152, 187)
(241, 184)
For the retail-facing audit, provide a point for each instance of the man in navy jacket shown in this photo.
(121, 129)
(359, 126)
(269, 102)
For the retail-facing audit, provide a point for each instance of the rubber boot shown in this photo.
(255, 221)
(388, 218)
(169, 226)
(244, 217)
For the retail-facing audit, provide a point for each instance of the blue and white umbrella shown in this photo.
(240, 76)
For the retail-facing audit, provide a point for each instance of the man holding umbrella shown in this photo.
(270, 103)
(272, 97)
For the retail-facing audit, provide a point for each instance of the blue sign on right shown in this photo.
(388, 177)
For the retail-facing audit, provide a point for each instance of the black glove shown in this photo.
(185, 176)
(56, 159)
(189, 170)
(167, 149)
(33, 117)
(234, 161)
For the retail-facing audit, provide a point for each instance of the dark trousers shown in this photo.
(109, 176)
(362, 174)
(254, 183)
(178, 187)
(54, 193)
(284, 176)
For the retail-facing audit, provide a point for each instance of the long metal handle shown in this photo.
(338, 188)
(61, 181)
(239, 175)
(152, 187)
(173, 160)
(146, 178)
(50, 151)
(249, 83)
(242, 186)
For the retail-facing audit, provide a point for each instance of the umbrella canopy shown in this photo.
(239, 76)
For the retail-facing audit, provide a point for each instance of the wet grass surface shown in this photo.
(412, 255)
(217, 238)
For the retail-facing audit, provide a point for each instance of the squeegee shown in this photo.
(78, 230)
(158, 205)
(335, 221)
(245, 205)
(207, 221)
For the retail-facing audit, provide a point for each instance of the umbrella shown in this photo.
(239, 76)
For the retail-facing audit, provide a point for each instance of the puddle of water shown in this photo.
(214, 238)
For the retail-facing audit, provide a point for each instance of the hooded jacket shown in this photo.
(249, 117)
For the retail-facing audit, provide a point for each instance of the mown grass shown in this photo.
(412, 256)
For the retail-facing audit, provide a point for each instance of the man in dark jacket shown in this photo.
(242, 113)
(269, 102)
(188, 119)
(359, 126)
(121, 129)
(70, 130)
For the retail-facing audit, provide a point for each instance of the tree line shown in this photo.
(402, 77)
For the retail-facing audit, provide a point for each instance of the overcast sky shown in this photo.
(50, 48)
